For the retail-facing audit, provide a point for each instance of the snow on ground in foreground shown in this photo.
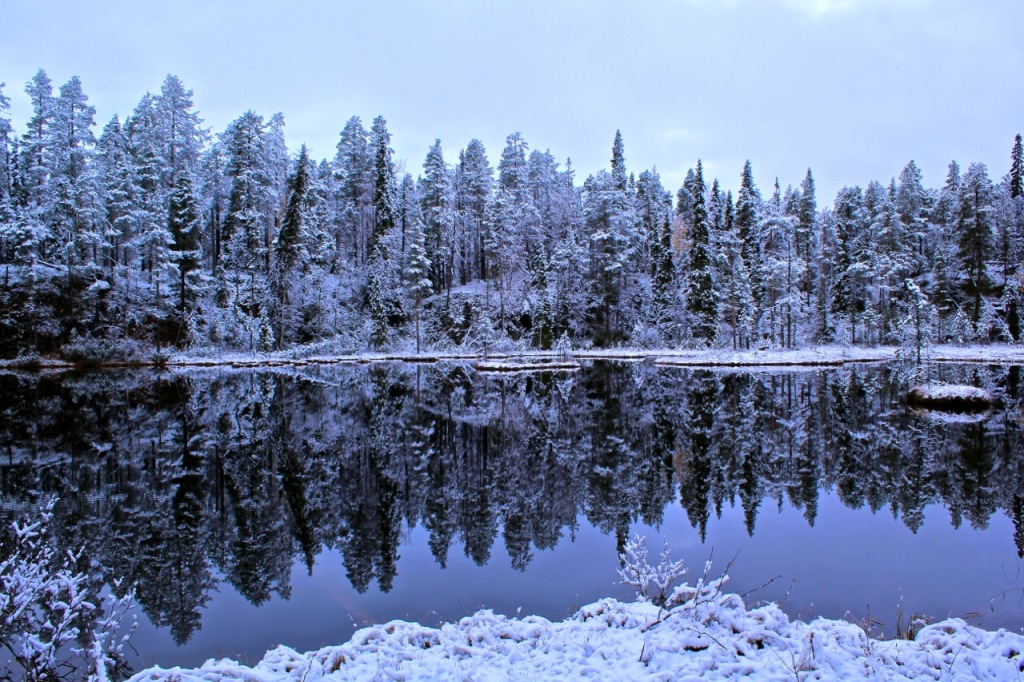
(718, 638)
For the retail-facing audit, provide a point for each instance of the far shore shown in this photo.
(513, 360)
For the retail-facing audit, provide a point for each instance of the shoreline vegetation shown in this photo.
(674, 629)
(710, 637)
(537, 360)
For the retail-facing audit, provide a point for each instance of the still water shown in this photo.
(252, 508)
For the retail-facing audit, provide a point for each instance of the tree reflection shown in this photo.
(178, 481)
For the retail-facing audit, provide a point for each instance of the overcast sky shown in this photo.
(850, 88)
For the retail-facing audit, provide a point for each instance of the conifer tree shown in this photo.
(184, 225)
(119, 193)
(700, 291)
(1017, 168)
(735, 299)
(6, 169)
(72, 188)
(417, 272)
(35, 142)
(474, 192)
(439, 217)
(975, 230)
(181, 133)
(291, 255)
(806, 230)
(385, 215)
(353, 176)
(746, 218)
(618, 163)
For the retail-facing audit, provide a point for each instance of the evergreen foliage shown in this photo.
(160, 233)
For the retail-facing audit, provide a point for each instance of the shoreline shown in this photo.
(818, 356)
(710, 636)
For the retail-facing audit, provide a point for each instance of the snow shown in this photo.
(813, 356)
(950, 392)
(538, 365)
(714, 638)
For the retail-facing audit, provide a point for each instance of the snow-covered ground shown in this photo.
(709, 637)
(811, 356)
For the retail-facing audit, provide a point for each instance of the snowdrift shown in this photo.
(718, 638)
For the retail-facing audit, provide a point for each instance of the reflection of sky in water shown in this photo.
(850, 561)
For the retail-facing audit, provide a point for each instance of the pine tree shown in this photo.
(150, 217)
(474, 193)
(181, 133)
(35, 142)
(700, 291)
(353, 175)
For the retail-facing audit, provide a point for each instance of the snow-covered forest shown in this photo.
(156, 233)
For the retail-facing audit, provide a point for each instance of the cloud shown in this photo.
(822, 7)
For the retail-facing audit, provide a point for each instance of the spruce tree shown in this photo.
(184, 225)
(1017, 169)
(385, 214)
(746, 218)
(291, 255)
(618, 163)
(417, 272)
(700, 292)
(975, 230)
(6, 200)
(439, 216)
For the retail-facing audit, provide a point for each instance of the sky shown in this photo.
(852, 89)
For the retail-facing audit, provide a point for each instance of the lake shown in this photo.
(257, 507)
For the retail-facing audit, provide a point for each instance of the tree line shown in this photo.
(158, 234)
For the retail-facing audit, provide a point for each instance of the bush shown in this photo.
(47, 605)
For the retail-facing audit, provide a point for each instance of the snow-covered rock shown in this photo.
(950, 397)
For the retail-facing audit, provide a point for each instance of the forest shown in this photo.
(178, 482)
(159, 235)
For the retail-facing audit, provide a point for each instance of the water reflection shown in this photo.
(178, 482)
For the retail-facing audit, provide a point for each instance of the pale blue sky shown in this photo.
(852, 88)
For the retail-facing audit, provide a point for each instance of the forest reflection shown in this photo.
(179, 481)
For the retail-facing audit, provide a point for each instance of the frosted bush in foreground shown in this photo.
(47, 607)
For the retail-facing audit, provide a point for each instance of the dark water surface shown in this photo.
(253, 508)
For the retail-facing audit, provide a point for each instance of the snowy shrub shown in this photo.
(89, 349)
(652, 583)
(48, 606)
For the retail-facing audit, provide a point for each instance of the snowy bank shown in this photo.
(709, 639)
(527, 360)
